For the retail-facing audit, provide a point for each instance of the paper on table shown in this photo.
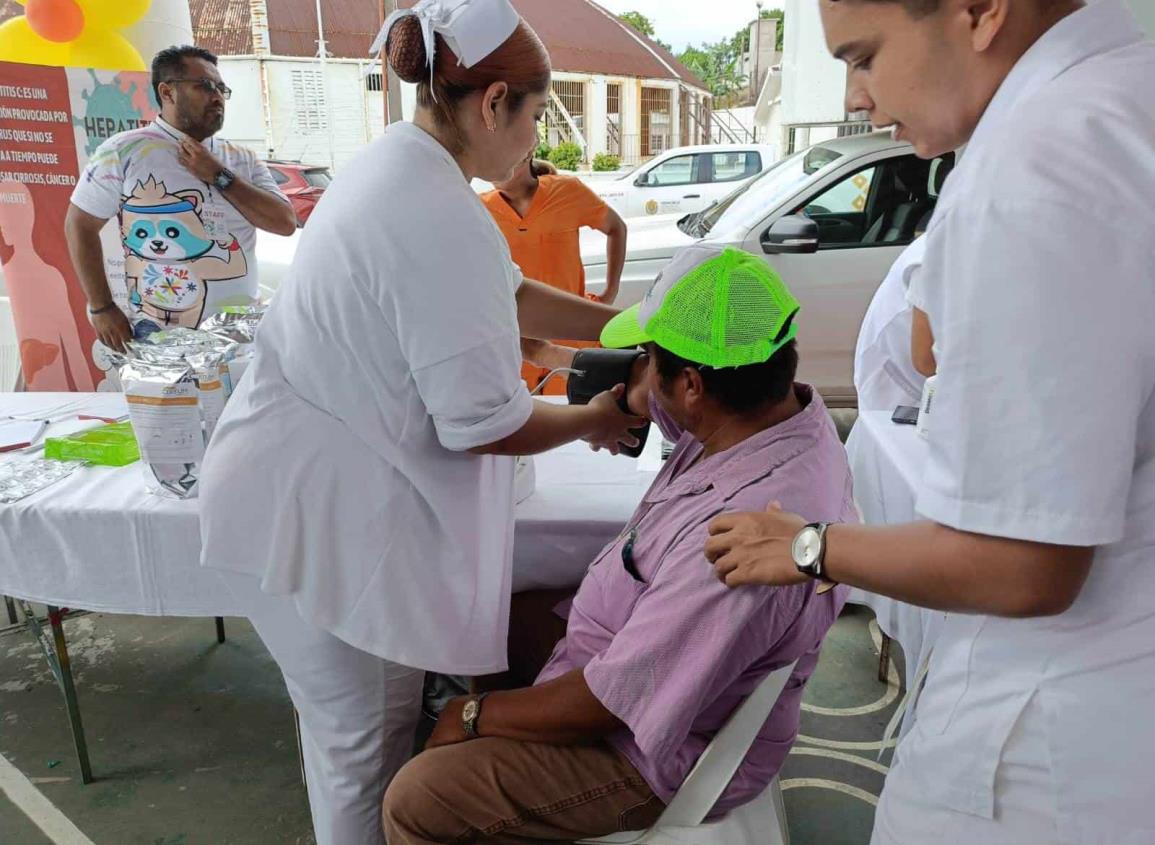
(107, 405)
(15, 434)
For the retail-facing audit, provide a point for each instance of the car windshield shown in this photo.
(319, 178)
(751, 201)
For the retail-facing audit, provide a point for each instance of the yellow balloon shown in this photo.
(18, 43)
(103, 49)
(113, 14)
(98, 46)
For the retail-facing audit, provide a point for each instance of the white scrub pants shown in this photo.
(358, 716)
(1025, 808)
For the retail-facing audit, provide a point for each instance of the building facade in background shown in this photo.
(614, 90)
(761, 56)
(802, 100)
(760, 65)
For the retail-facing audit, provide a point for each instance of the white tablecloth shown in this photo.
(887, 461)
(99, 541)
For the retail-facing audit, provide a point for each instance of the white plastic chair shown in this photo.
(759, 822)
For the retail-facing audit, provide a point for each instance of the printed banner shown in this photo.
(51, 120)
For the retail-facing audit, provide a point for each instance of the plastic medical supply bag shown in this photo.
(165, 408)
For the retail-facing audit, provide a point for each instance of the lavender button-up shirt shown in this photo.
(674, 653)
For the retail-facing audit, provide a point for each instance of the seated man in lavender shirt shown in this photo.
(657, 653)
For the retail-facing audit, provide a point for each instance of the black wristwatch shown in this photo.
(224, 179)
(471, 713)
(809, 550)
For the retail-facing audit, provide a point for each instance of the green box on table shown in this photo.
(109, 445)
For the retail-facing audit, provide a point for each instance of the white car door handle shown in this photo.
(692, 197)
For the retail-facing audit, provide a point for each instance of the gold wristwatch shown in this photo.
(471, 713)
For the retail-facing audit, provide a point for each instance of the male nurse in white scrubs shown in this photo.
(1038, 496)
(884, 372)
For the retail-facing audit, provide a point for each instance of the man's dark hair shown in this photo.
(169, 64)
(739, 390)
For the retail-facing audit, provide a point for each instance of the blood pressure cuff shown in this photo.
(600, 370)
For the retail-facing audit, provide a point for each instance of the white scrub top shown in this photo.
(339, 472)
(884, 373)
(1039, 282)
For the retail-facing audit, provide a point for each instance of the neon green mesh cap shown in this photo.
(720, 307)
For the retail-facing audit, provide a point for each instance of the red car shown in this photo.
(303, 184)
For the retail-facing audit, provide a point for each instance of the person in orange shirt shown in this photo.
(541, 215)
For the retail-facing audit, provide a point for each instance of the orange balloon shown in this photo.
(55, 20)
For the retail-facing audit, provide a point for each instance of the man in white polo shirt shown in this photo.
(1039, 491)
(188, 204)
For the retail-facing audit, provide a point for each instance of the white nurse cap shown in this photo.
(472, 28)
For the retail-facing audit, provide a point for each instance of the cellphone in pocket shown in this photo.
(905, 415)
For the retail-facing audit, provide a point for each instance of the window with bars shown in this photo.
(656, 122)
(573, 98)
(309, 106)
(614, 118)
(373, 82)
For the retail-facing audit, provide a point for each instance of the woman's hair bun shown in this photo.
(406, 50)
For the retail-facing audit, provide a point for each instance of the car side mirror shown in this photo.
(795, 234)
(643, 180)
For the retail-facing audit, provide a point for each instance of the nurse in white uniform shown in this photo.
(1039, 491)
(884, 372)
(360, 482)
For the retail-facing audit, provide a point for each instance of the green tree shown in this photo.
(643, 25)
(717, 65)
(639, 22)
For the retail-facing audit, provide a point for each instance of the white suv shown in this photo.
(685, 179)
(830, 219)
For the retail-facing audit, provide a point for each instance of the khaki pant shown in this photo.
(494, 790)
